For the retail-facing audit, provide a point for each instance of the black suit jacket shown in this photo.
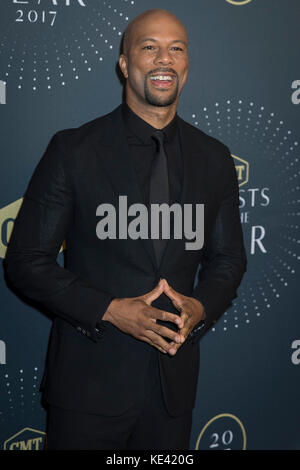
(80, 169)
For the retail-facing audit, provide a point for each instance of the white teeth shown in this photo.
(161, 77)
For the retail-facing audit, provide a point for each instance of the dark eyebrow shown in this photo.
(155, 40)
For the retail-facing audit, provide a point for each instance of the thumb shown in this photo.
(154, 293)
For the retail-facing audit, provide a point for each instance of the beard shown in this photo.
(160, 100)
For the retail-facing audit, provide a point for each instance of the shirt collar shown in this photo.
(142, 130)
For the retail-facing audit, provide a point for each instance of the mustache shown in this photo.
(162, 70)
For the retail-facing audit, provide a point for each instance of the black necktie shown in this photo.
(159, 186)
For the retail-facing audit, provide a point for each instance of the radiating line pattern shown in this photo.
(38, 62)
(19, 392)
(264, 140)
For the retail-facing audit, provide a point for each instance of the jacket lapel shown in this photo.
(194, 182)
(119, 167)
(113, 150)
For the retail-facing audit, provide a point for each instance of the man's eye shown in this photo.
(177, 48)
(149, 47)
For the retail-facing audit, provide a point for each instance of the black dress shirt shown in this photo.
(143, 150)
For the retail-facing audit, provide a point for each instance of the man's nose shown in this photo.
(163, 56)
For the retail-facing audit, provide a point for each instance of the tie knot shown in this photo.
(159, 137)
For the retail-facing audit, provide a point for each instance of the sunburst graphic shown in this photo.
(19, 392)
(20, 405)
(271, 197)
(56, 51)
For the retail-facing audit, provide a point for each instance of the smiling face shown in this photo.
(155, 59)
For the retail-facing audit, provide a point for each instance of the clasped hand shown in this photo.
(137, 317)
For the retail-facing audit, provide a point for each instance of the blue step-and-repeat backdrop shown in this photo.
(58, 70)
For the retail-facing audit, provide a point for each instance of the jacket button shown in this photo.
(83, 332)
(99, 332)
(78, 328)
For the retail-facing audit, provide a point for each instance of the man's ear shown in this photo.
(123, 65)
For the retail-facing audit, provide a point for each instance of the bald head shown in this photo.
(154, 62)
(141, 22)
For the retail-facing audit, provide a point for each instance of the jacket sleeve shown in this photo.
(224, 259)
(39, 231)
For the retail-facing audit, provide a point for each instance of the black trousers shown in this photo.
(146, 426)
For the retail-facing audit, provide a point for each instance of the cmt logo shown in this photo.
(26, 439)
(239, 2)
(2, 92)
(242, 170)
(8, 215)
(2, 352)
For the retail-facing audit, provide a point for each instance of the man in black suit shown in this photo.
(123, 359)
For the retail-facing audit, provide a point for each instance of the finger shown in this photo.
(173, 348)
(184, 317)
(184, 333)
(158, 340)
(175, 296)
(166, 332)
(149, 297)
(156, 313)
